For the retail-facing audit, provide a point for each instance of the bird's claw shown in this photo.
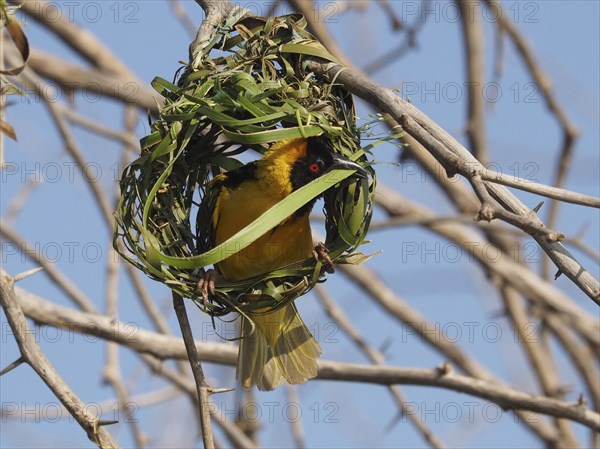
(322, 253)
(206, 284)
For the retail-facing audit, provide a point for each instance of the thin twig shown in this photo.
(539, 357)
(112, 369)
(20, 199)
(511, 209)
(235, 435)
(580, 355)
(35, 84)
(407, 44)
(583, 360)
(335, 312)
(50, 269)
(202, 389)
(74, 77)
(34, 356)
(453, 162)
(542, 81)
(474, 55)
(462, 219)
(291, 392)
(106, 406)
(183, 17)
(127, 138)
(319, 29)
(390, 103)
(395, 21)
(519, 276)
(82, 41)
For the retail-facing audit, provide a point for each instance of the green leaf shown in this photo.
(310, 48)
(161, 85)
(263, 224)
(273, 135)
(357, 258)
(152, 246)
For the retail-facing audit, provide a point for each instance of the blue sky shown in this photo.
(64, 224)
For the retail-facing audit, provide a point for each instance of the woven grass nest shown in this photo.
(247, 89)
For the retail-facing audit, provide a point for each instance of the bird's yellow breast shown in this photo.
(287, 243)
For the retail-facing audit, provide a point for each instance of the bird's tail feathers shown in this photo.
(281, 347)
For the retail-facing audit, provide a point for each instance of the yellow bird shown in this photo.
(281, 347)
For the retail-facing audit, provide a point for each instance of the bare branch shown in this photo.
(542, 81)
(164, 347)
(581, 356)
(112, 370)
(129, 139)
(184, 18)
(564, 195)
(474, 50)
(318, 29)
(505, 397)
(19, 200)
(33, 355)
(215, 12)
(202, 388)
(73, 77)
(539, 357)
(81, 40)
(377, 358)
(389, 102)
(50, 269)
(520, 277)
(140, 400)
(295, 424)
(407, 44)
(467, 165)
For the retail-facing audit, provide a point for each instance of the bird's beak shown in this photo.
(341, 163)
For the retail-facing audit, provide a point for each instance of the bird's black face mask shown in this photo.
(320, 158)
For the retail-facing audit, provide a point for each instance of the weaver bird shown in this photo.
(279, 346)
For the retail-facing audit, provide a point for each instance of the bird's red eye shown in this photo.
(314, 168)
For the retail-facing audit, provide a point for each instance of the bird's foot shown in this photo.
(322, 253)
(206, 284)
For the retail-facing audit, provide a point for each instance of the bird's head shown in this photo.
(294, 163)
(318, 159)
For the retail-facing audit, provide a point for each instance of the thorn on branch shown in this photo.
(219, 390)
(444, 369)
(538, 207)
(12, 366)
(581, 403)
(558, 274)
(107, 422)
(26, 274)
